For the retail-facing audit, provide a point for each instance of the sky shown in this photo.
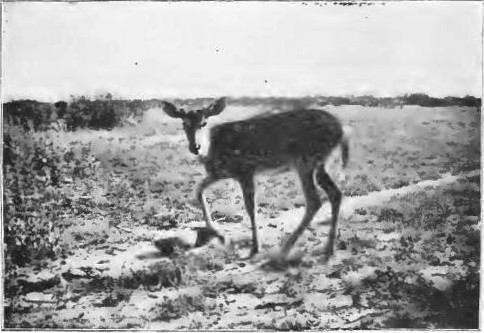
(209, 49)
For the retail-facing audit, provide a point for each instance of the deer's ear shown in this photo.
(171, 110)
(215, 108)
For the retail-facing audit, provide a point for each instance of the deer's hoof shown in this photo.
(323, 254)
(280, 260)
(253, 252)
(205, 235)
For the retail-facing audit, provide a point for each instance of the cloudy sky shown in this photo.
(188, 49)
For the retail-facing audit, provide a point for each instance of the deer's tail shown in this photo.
(345, 145)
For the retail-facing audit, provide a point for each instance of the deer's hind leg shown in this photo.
(313, 203)
(334, 196)
(206, 182)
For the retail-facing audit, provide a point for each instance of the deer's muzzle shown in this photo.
(194, 148)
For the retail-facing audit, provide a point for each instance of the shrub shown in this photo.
(37, 171)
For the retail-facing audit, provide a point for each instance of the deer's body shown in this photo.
(271, 142)
(301, 139)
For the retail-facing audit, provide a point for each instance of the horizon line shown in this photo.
(210, 96)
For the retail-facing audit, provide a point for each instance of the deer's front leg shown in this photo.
(202, 201)
(248, 190)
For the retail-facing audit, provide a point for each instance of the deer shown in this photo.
(301, 140)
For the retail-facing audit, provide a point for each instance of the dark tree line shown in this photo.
(425, 100)
(80, 112)
(107, 113)
(367, 100)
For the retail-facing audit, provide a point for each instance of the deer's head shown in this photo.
(194, 120)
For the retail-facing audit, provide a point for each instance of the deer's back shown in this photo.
(272, 141)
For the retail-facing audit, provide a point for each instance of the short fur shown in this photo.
(253, 145)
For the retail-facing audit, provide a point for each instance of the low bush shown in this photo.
(37, 174)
